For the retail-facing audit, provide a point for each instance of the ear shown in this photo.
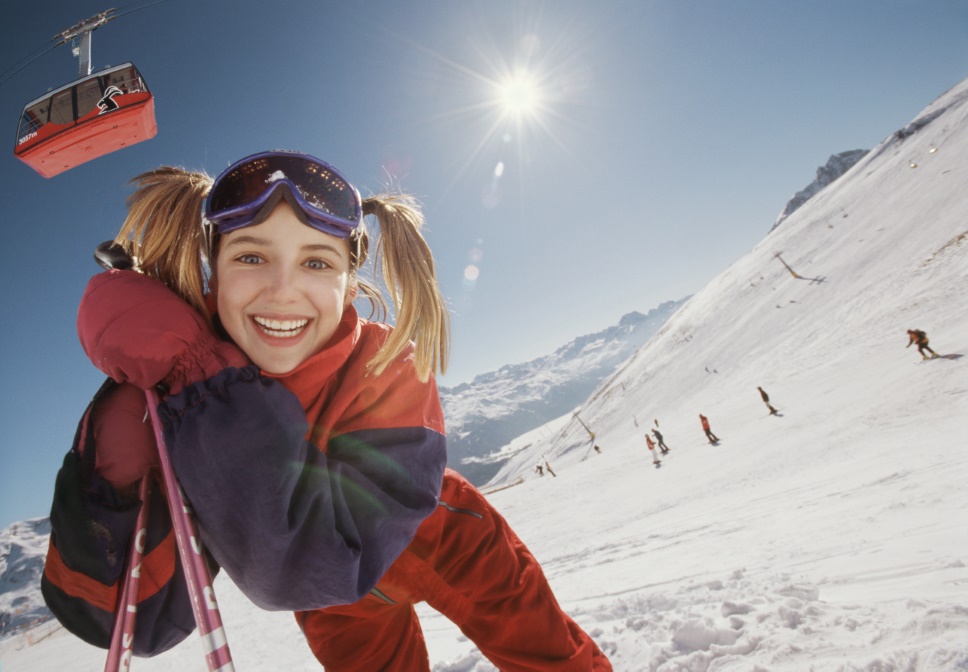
(352, 291)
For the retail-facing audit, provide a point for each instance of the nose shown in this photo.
(281, 284)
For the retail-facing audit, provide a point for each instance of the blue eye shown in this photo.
(250, 259)
(317, 264)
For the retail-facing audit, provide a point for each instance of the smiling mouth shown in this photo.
(281, 328)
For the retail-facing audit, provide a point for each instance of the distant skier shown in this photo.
(658, 437)
(550, 470)
(916, 336)
(651, 445)
(705, 427)
(540, 470)
(766, 400)
(597, 449)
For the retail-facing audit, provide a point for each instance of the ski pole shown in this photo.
(207, 615)
(190, 550)
(122, 635)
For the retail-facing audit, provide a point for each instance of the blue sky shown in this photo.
(665, 138)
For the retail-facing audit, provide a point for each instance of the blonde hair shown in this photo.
(163, 230)
(163, 233)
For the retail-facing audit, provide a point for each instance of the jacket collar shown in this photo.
(307, 380)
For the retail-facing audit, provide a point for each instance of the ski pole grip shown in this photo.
(111, 255)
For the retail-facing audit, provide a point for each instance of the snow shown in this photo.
(23, 546)
(833, 537)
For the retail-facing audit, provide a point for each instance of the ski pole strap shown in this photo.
(122, 636)
(192, 554)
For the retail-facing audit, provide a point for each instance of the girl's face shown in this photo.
(281, 289)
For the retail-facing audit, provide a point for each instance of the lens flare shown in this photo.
(512, 94)
(520, 94)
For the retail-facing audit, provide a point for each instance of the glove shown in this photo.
(136, 330)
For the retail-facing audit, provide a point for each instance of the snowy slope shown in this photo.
(881, 250)
(496, 407)
(831, 538)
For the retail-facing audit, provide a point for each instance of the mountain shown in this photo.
(484, 415)
(875, 252)
(23, 547)
(836, 165)
(831, 538)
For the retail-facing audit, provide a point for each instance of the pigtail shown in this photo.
(163, 230)
(407, 268)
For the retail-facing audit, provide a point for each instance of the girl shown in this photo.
(309, 441)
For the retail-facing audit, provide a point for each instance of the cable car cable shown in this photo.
(60, 38)
(5, 76)
(136, 9)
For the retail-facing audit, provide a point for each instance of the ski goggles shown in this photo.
(247, 190)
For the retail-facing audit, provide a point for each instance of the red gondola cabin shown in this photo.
(88, 118)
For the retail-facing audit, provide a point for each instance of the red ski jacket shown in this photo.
(319, 488)
(300, 514)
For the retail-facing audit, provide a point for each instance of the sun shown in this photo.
(519, 95)
(512, 97)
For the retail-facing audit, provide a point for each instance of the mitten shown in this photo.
(136, 330)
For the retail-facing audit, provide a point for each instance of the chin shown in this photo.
(276, 367)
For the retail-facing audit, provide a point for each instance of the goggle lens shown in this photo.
(331, 203)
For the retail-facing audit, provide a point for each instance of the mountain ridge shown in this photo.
(23, 549)
(836, 166)
(495, 407)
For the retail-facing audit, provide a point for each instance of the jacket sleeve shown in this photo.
(297, 527)
(91, 527)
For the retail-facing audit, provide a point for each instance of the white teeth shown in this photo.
(281, 328)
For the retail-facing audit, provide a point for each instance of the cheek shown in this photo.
(228, 316)
(228, 306)
(220, 305)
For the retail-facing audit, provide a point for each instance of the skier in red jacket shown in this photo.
(651, 444)
(705, 428)
(351, 517)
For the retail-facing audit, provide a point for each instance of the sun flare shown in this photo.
(512, 98)
(519, 95)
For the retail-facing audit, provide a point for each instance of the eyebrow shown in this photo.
(266, 242)
(249, 240)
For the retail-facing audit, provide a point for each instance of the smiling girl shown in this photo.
(309, 441)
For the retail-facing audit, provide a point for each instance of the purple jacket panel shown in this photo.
(294, 527)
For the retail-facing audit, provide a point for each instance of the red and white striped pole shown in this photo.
(207, 616)
(125, 615)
